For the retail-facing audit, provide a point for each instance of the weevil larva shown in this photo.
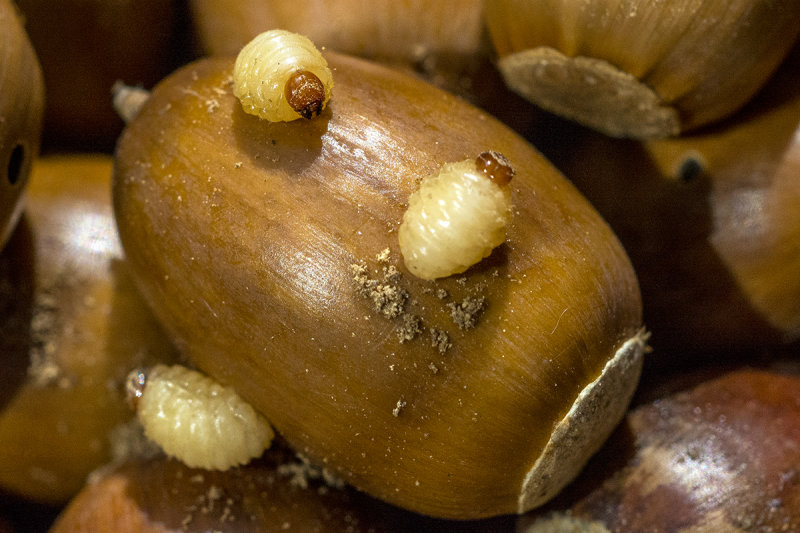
(281, 76)
(197, 420)
(457, 217)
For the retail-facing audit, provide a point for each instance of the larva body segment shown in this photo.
(281, 76)
(455, 219)
(199, 421)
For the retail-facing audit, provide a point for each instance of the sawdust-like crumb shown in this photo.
(383, 256)
(300, 473)
(433, 367)
(467, 313)
(388, 298)
(440, 340)
(411, 327)
(398, 408)
(442, 294)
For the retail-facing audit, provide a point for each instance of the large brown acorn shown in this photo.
(280, 492)
(72, 325)
(711, 221)
(85, 46)
(270, 253)
(441, 40)
(722, 456)
(637, 68)
(21, 112)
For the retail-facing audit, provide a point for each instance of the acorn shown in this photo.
(280, 492)
(437, 40)
(711, 221)
(21, 111)
(85, 46)
(641, 69)
(72, 327)
(269, 250)
(721, 456)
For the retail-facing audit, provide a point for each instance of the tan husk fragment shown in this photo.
(595, 413)
(590, 91)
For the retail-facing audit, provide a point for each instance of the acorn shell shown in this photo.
(72, 325)
(720, 457)
(641, 69)
(84, 47)
(278, 492)
(21, 114)
(443, 42)
(263, 249)
(710, 220)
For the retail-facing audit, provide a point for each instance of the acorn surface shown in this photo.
(280, 492)
(21, 113)
(73, 325)
(440, 40)
(711, 221)
(641, 69)
(85, 46)
(722, 456)
(269, 251)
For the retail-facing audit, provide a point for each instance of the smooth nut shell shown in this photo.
(21, 113)
(85, 46)
(72, 325)
(720, 457)
(642, 69)
(710, 220)
(161, 495)
(411, 31)
(242, 234)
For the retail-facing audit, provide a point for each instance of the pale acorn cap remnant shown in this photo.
(457, 217)
(197, 420)
(637, 68)
(281, 76)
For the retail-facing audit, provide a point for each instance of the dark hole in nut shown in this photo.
(15, 164)
(691, 168)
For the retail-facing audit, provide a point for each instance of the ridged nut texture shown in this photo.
(454, 220)
(198, 421)
(264, 66)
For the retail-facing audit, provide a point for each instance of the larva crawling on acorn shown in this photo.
(281, 76)
(195, 419)
(250, 229)
(457, 217)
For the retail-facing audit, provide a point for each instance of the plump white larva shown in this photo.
(197, 420)
(281, 76)
(457, 217)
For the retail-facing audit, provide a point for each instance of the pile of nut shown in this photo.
(469, 265)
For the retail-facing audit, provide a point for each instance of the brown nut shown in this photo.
(71, 326)
(641, 69)
(280, 492)
(710, 220)
(84, 47)
(21, 112)
(442, 41)
(270, 252)
(720, 457)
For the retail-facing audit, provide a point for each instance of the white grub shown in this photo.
(457, 217)
(281, 76)
(197, 420)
